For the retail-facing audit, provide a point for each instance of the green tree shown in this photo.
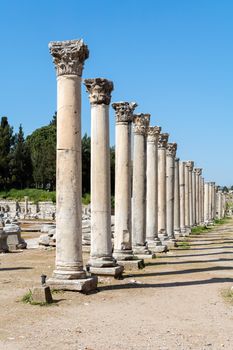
(6, 142)
(20, 164)
(42, 146)
(86, 164)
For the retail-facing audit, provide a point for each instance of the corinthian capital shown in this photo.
(171, 149)
(189, 164)
(198, 171)
(69, 56)
(153, 133)
(100, 90)
(124, 111)
(141, 123)
(163, 139)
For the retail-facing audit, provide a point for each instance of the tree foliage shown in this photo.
(31, 162)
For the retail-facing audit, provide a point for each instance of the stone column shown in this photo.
(190, 169)
(101, 259)
(162, 144)
(26, 204)
(182, 198)
(123, 234)
(219, 204)
(198, 194)
(170, 172)
(187, 198)
(194, 197)
(215, 201)
(141, 123)
(210, 191)
(202, 181)
(177, 230)
(69, 57)
(206, 203)
(154, 243)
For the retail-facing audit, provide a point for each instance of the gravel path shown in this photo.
(174, 303)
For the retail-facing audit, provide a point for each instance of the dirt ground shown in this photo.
(176, 302)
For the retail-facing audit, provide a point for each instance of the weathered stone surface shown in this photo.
(134, 264)
(84, 285)
(42, 294)
(114, 271)
(3, 241)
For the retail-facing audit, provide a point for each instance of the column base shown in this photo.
(177, 233)
(123, 255)
(134, 264)
(83, 285)
(100, 262)
(157, 247)
(163, 236)
(171, 243)
(113, 271)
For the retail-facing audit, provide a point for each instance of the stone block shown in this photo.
(114, 271)
(145, 256)
(42, 294)
(84, 285)
(131, 264)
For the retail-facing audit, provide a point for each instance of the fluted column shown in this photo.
(177, 230)
(219, 204)
(162, 144)
(154, 243)
(123, 234)
(101, 260)
(141, 123)
(170, 172)
(69, 57)
(182, 198)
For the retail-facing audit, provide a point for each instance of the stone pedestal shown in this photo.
(177, 230)
(162, 216)
(69, 57)
(141, 123)
(123, 235)
(154, 243)
(101, 259)
(170, 172)
(182, 198)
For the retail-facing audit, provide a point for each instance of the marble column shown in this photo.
(197, 172)
(170, 172)
(182, 198)
(206, 203)
(210, 191)
(162, 144)
(101, 259)
(187, 198)
(194, 197)
(123, 235)
(69, 57)
(219, 204)
(154, 243)
(140, 126)
(177, 229)
(202, 215)
(190, 170)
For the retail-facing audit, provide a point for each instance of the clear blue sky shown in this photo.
(173, 57)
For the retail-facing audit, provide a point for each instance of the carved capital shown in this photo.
(171, 149)
(69, 56)
(153, 133)
(163, 139)
(124, 111)
(177, 159)
(189, 164)
(100, 90)
(198, 171)
(141, 123)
